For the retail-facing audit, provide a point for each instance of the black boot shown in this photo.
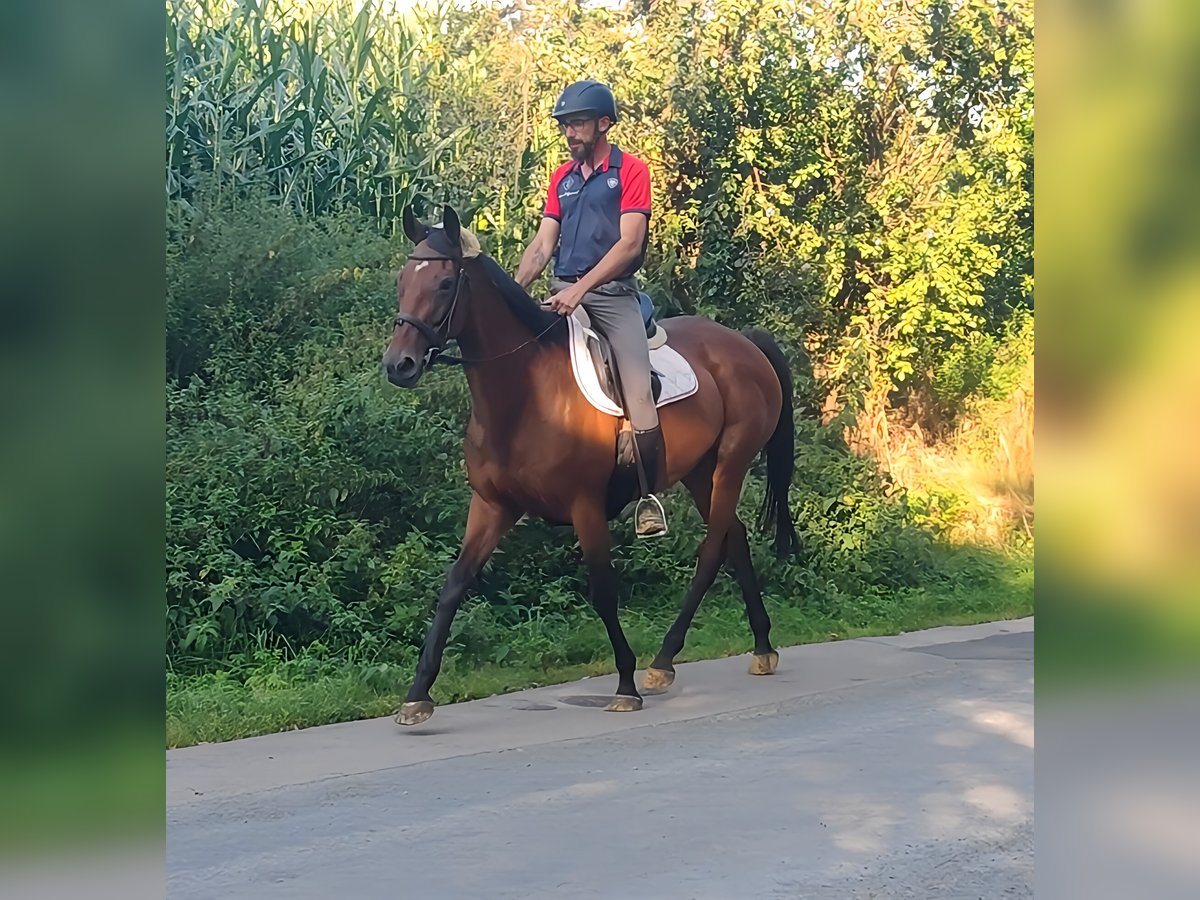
(650, 520)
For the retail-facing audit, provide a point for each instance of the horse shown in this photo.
(534, 446)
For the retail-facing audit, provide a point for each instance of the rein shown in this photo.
(438, 337)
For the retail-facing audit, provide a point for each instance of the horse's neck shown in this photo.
(513, 370)
(492, 330)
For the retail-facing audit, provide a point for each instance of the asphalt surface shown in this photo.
(882, 767)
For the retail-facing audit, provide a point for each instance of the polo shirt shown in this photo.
(590, 210)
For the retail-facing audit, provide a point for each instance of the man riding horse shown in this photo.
(532, 446)
(597, 217)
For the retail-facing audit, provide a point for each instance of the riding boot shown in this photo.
(650, 520)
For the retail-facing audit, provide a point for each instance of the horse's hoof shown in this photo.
(656, 681)
(764, 664)
(623, 703)
(414, 713)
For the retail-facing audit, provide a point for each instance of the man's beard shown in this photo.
(583, 152)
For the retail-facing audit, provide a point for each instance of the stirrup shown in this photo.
(649, 517)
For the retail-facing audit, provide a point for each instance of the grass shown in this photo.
(274, 697)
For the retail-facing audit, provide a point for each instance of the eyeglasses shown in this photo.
(573, 125)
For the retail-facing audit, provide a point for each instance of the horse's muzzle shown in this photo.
(404, 370)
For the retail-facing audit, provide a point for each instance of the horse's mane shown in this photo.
(529, 312)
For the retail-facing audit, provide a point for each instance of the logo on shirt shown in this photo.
(566, 187)
(612, 181)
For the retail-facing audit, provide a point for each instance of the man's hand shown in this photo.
(565, 301)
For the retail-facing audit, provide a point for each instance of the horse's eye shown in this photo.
(446, 284)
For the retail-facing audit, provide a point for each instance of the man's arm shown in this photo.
(538, 253)
(624, 251)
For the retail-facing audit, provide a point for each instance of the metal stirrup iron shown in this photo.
(650, 510)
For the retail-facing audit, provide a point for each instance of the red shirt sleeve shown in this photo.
(635, 186)
(553, 210)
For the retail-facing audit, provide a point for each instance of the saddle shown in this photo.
(601, 351)
(676, 375)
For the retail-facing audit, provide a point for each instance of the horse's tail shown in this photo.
(780, 452)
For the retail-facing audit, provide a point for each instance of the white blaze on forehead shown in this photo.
(421, 265)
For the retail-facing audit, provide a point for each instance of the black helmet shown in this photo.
(586, 96)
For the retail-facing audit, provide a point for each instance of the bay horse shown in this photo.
(534, 446)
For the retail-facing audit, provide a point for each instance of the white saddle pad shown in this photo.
(678, 379)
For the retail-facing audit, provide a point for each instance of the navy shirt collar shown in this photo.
(613, 162)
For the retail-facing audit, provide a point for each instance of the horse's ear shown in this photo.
(415, 230)
(452, 227)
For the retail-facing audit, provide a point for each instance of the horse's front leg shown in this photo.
(486, 525)
(596, 542)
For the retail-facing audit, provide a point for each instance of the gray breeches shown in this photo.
(613, 309)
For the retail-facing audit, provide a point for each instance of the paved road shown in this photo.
(883, 767)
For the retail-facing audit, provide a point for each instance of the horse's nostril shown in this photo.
(401, 370)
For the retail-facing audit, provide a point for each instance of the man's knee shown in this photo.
(640, 410)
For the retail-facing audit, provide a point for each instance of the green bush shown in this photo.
(311, 505)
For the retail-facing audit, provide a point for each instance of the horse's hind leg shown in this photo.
(765, 658)
(486, 525)
(661, 673)
(716, 491)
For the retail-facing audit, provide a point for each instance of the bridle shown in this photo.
(438, 336)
